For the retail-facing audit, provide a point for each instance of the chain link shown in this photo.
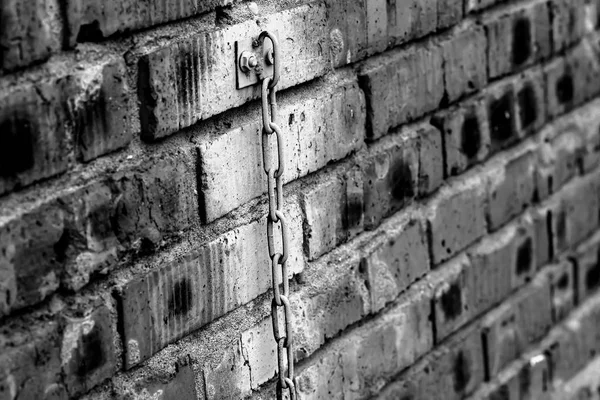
(279, 270)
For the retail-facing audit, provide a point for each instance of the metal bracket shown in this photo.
(251, 71)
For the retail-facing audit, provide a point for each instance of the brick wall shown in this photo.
(442, 190)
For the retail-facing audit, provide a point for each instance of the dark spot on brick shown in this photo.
(462, 372)
(452, 301)
(592, 276)
(564, 89)
(561, 230)
(61, 247)
(471, 136)
(502, 393)
(291, 119)
(501, 118)
(521, 49)
(91, 355)
(401, 181)
(17, 144)
(100, 221)
(563, 282)
(90, 32)
(524, 257)
(180, 299)
(525, 381)
(527, 106)
(354, 212)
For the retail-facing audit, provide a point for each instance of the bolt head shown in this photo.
(248, 61)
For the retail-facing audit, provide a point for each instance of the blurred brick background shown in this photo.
(442, 187)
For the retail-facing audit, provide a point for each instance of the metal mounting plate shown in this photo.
(262, 70)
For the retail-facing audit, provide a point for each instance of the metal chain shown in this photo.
(279, 270)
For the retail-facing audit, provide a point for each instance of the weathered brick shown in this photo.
(33, 143)
(583, 385)
(502, 115)
(517, 323)
(87, 349)
(322, 126)
(178, 296)
(30, 32)
(407, 165)
(360, 362)
(31, 362)
(588, 119)
(568, 22)
(194, 76)
(397, 262)
(572, 80)
(182, 386)
(459, 207)
(517, 37)
(451, 302)
(334, 212)
(587, 264)
(466, 135)
(563, 288)
(402, 85)
(465, 61)
(92, 21)
(348, 34)
(511, 188)
(455, 369)
(581, 199)
(229, 378)
(37, 111)
(391, 23)
(560, 155)
(530, 98)
(450, 12)
(156, 200)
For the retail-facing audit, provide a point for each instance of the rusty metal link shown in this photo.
(279, 268)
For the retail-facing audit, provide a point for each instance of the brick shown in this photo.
(33, 141)
(156, 200)
(568, 22)
(87, 98)
(583, 385)
(575, 342)
(530, 99)
(229, 378)
(31, 362)
(500, 263)
(179, 297)
(456, 208)
(511, 188)
(570, 80)
(588, 120)
(333, 210)
(563, 287)
(390, 24)
(30, 32)
(397, 263)
(502, 115)
(587, 264)
(323, 126)
(466, 135)
(259, 350)
(541, 219)
(454, 368)
(401, 86)
(450, 12)
(517, 37)
(517, 323)
(582, 208)
(182, 386)
(348, 34)
(170, 77)
(465, 62)
(87, 350)
(451, 301)
(101, 111)
(407, 165)
(561, 150)
(91, 21)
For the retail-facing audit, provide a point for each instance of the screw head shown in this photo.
(247, 61)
